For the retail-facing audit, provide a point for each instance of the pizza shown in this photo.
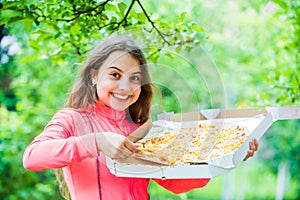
(156, 143)
(192, 144)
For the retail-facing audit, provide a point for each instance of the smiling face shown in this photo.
(118, 81)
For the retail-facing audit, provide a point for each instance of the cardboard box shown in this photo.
(256, 121)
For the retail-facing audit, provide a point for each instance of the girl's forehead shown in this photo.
(115, 56)
(121, 60)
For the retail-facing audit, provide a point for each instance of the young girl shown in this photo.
(111, 98)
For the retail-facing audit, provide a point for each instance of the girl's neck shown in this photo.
(109, 112)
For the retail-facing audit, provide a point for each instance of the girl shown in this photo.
(111, 97)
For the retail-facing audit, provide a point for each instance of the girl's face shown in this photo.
(118, 81)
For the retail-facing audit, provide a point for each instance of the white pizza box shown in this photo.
(257, 121)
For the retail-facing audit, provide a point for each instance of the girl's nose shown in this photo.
(124, 84)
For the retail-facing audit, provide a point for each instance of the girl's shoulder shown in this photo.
(72, 113)
(69, 115)
(72, 119)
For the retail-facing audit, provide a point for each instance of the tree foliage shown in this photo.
(253, 47)
(284, 68)
(73, 26)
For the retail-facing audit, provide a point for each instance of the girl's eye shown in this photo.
(136, 78)
(115, 74)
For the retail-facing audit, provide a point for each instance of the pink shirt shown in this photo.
(85, 170)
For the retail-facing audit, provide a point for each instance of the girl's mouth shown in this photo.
(121, 96)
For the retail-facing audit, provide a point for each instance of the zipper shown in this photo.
(97, 160)
(98, 178)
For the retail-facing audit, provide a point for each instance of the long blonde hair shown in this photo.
(83, 93)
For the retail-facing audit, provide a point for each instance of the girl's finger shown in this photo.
(255, 143)
(130, 146)
(252, 146)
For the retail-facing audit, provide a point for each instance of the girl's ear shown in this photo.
(93, 73)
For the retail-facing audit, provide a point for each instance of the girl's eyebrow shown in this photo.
(118, 69)
(138, 72)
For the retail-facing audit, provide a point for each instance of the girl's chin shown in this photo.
(115, 106)
(120, 107)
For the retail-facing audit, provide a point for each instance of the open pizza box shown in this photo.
(255, 121)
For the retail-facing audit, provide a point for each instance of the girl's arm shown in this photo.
(58, 145)
(67, 138)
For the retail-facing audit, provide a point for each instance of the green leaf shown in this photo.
(28, 24)
(282, 4)
(75, 29)
(141, 17)
(8, 13)
(122, 7)
(110, 7)
(182, 16)
(3, 21)
(197, 27)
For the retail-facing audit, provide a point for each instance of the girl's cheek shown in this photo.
(136, 86)
(107, 84)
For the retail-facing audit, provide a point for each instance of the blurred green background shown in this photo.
(202, 54)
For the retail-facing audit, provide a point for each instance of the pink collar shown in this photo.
(109, 112)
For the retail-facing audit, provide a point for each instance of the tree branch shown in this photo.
(152, 23)
(78, 13)
(124, 18)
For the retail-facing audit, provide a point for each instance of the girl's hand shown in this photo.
(114, 145)
(253, 146)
